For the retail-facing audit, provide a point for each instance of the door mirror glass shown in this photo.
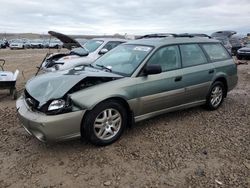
(152, 69)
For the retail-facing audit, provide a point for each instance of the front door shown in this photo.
(164, 90)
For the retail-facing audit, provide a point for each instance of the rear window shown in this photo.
(216, 52)
(192, 55)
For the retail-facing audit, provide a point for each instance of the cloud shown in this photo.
(124, 16)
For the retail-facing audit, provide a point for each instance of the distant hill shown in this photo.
(9, 36)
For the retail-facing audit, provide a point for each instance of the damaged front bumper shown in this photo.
(50, 128)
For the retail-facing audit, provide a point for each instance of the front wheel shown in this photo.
(105, 123)
(216, 95)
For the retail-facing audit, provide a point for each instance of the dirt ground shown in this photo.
(188, 148)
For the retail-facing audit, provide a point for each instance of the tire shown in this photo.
(102, 131)
(216, 95)
(239, 57)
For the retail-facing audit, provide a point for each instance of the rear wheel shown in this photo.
(105, 123)
(216, 95)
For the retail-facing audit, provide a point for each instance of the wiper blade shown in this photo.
(104, 67)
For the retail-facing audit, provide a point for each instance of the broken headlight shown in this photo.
(56, 105)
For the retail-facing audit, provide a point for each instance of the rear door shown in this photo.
(198, 72)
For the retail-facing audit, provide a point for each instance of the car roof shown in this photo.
(157, 42)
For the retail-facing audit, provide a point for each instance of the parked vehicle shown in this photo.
(133, 82)
(8, 80)
(87, 54)
(17, 44)
(2, 44)
(229, 39)
(236, 43)
(244, 53)
(53, 43)
(37, 43)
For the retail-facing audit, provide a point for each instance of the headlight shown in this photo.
(57, 67)
(56, 105)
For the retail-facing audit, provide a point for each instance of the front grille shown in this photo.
(244, 50)
(32, 103)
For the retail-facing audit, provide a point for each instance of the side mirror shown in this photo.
(103, 51)
(152, 69)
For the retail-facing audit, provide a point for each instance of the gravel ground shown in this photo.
(189, 148)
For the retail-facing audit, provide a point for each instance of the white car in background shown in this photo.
(79, 55)
(17, 44)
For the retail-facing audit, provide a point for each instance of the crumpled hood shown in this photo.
(56, 84)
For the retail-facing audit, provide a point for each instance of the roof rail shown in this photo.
(156, 35)
(191, 35)
(163, 35)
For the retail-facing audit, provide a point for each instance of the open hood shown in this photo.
(67, 41)
(55, 85)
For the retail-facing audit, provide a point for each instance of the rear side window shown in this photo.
(167, 57)
(216, 52)
(192, 55)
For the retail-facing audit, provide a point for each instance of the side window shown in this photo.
(216, 52)
(168, 57)
(192, 55)
(111, 45)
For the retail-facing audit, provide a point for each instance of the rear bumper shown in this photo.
(49, 128)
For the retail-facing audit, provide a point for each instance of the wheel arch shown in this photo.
(224, 81)
(120, 100)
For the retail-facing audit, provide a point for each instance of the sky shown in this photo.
(124, 16)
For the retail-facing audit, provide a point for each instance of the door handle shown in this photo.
(178, 78)
(211, 71)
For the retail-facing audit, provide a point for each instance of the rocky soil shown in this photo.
(189, 148)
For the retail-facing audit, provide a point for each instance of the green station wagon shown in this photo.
(133, 82)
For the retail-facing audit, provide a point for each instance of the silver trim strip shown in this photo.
(198, 86)
(163, 94)
(156, 113)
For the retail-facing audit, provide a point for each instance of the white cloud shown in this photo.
(124, 16)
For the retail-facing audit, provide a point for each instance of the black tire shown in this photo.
(209, 104)
(88, 130)
(239, 57)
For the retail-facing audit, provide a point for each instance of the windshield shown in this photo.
(92, 45)
(79, 51)
(81, 41)
(123, 59)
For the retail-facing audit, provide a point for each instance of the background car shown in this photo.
(37, 43)
(53, 43)
(17, 44)
(2, 44)
(82, 55)
(229, 39)
(244, 53)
